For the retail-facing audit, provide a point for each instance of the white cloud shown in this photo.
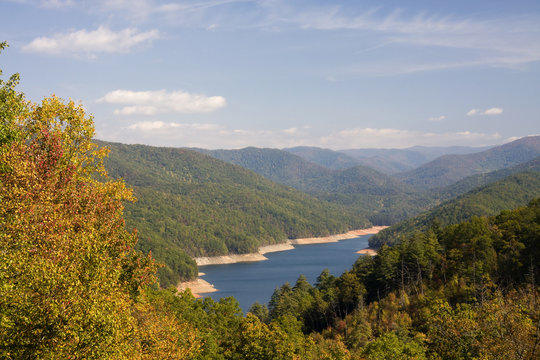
(437, 118)
(161, 101)
(89, 43)
(490, 111)
(153, 126)
(493, 111)
(161, 133)
(480, 40)
(399, 138)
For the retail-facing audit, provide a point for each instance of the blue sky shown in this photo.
(282, 73)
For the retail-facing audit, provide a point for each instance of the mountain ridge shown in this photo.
(449, 169)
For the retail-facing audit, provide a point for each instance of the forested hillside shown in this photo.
(393, 161)
(474, 181)
(449, 169)
(466, 291)
(325, 157)
(190, 204)
(512, 191)
(359, 188)
(276, 165)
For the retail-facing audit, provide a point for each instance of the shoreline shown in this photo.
(200, 286)
(287, 245)
(197, 286)
(367, 251)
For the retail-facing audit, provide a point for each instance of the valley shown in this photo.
(269, 180)
(266, 197)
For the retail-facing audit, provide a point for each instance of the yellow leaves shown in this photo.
(161, 336)
(68, 264)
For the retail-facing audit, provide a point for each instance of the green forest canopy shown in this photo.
(189, 204)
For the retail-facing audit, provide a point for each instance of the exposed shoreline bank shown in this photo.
(197, 286)
(200, 286)
(367, 251)
(288, 245)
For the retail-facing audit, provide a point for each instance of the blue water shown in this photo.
(256, 281)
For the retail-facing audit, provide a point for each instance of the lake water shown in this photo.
(256, 281)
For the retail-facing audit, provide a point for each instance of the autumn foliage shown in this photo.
(70, 278)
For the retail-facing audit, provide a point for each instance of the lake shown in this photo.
(256, 281)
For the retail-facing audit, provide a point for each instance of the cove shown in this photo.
(256, 281)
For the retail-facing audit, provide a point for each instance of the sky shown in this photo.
(283, 73)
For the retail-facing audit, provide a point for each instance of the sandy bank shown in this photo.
(197, 286)
(367, 251)
(229, 259)
(275, 248)
(335, 238)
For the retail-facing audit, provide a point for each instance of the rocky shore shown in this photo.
(200, 286)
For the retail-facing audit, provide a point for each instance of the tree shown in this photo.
(392, 346)
(12, 104)
(256, 340)
(70, 279)
(260, 311)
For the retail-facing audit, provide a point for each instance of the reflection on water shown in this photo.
(256, 281)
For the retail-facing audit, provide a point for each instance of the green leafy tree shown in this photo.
(392, 346)
(260, 311)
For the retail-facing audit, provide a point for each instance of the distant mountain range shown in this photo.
(197, 202)
(448, 169)
(393, 161)
(387, 161)
(360, 188)
(325, 157)
(474, 181)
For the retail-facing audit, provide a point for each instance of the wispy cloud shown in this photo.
(474, 40)
(90, 43)
(504, 41)
(183, 12)
(161, 101)
(437, 118)
(47, 3)
(480, 112)
(57, 3)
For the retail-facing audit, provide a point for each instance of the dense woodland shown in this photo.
(73, 284)
(465, 291)
(361, 189)
(189, 204)
(512, 191)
